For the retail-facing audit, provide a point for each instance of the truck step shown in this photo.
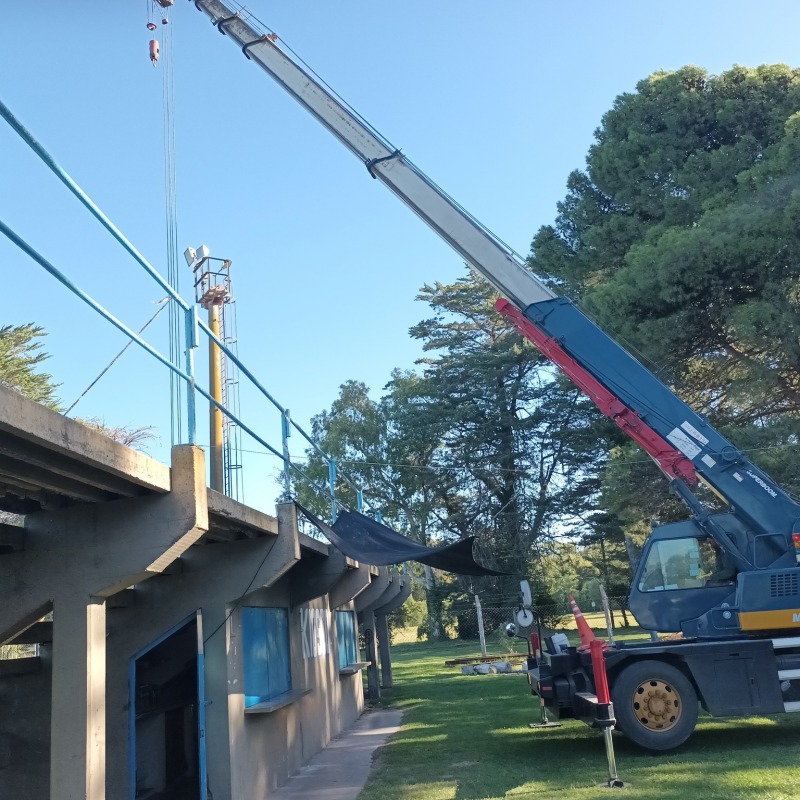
(793, 641)
(793, 706)
(788, 674)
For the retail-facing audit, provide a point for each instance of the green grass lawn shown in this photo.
(467, 738)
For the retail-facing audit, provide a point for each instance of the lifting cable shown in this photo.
(170, 214)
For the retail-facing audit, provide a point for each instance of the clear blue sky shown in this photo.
(497, 102)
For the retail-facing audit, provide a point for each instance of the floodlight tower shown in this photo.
(212, 286)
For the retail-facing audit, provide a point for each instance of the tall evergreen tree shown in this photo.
(681, 237)
(20, 356)
(485, 440)
(518, 444)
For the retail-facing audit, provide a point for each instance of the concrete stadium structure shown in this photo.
(188, 646)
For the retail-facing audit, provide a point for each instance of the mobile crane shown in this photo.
(728, 582)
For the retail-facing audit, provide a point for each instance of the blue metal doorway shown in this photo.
(167, 758)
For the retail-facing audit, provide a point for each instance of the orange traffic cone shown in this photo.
(587, 635)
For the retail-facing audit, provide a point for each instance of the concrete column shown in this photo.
(382, 629)
(78, 728)
(373, 678)
(400, 593)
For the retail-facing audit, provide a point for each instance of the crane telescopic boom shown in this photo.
(756, 532)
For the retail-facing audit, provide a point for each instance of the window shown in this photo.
(688, 563)
(348, 641)
(265, 646)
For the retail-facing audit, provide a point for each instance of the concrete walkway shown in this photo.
(340, 771)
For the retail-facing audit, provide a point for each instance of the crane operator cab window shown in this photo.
(688, 563)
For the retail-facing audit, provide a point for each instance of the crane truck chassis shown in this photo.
(657, 687)
(727, 582)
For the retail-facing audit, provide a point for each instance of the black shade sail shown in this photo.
(371, 542)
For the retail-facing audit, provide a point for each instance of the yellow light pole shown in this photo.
(215, 389)
(212, 290)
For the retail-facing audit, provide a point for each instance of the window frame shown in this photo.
(266, 656)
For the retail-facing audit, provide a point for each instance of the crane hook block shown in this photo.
(154, 51)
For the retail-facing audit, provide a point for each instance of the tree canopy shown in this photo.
(681, 238)
(21, 355)
(682, 234)
(485, 439)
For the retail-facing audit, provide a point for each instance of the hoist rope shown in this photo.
(171, 225)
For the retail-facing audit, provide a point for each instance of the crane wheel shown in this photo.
(655, 705)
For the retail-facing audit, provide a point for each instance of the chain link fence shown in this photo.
(551, 617)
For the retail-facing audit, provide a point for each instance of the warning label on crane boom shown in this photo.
(683, 443)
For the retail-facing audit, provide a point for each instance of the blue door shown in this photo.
(167, 754)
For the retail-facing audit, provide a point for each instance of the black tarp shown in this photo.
(371, 542)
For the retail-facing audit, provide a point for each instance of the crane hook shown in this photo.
(154, 51)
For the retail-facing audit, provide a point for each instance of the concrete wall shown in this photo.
(248, 755)
(75, 712)
(25, 733)
(266, 748)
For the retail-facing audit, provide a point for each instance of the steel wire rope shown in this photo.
(161, 306)
(171, 223)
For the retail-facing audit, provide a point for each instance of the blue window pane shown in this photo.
(346, 635)
(265, 645)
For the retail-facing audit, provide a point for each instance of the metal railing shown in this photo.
(193, 327)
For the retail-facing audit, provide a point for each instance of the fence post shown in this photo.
(607, 612)
(332, 484)
(191, 320)
(286, 432)
(481, 634)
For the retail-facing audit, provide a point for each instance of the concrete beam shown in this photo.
(287, 545)
(41, 427)
(38, 633)
(227, 515)
(124, 599)
(13, 667)
(352, 583)
(14, 627)
(314, 577)
(403, 586)
(367, 599)
(98, 550)
(58, 464)
(14, 472)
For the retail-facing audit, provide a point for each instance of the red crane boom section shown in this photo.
(673, 463)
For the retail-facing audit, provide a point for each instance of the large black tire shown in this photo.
(655, 705)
